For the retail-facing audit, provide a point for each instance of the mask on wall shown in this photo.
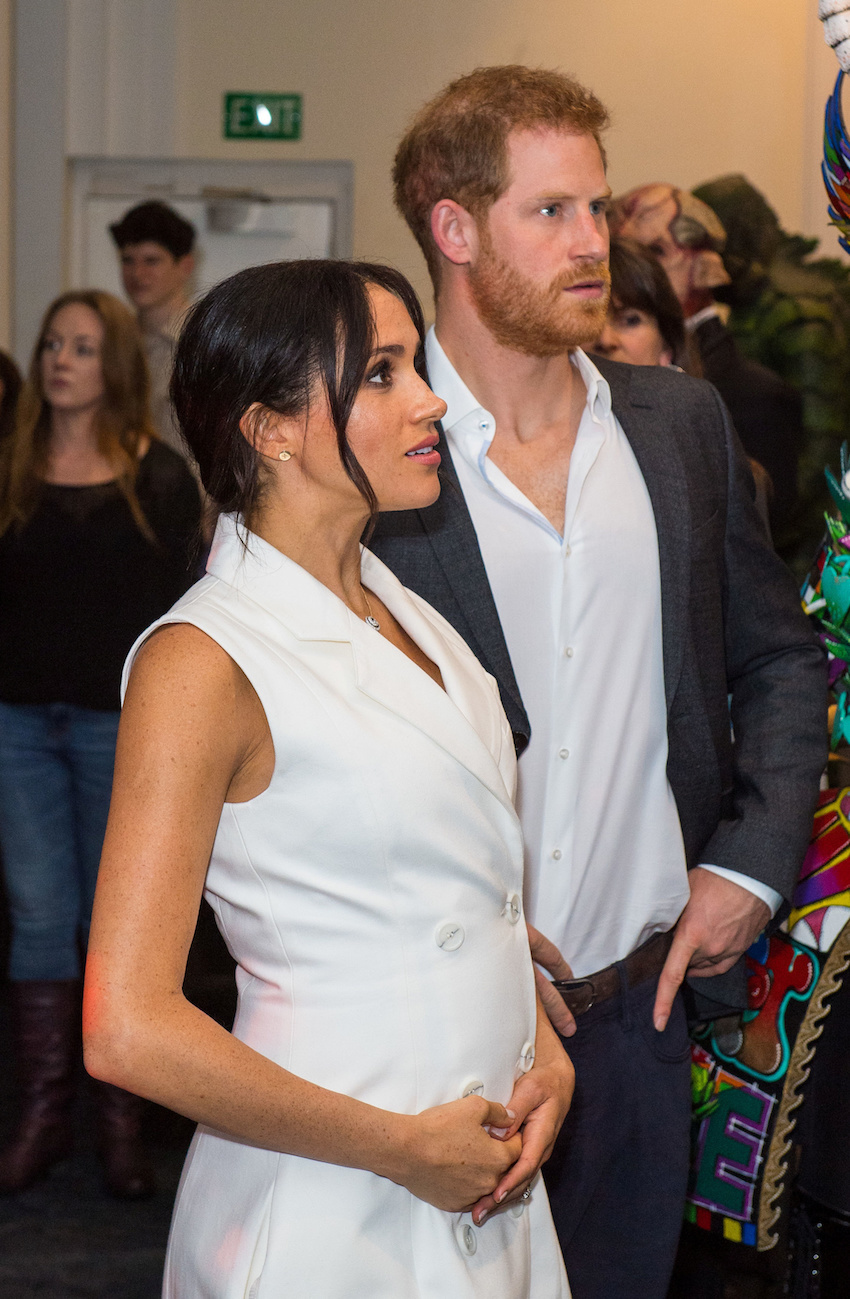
(682, 231)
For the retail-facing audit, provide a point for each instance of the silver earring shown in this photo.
(284, 455)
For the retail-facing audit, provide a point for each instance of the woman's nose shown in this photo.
(433, 407)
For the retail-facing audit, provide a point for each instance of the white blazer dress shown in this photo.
(372, 899)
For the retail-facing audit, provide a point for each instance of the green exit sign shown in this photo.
(262, 117)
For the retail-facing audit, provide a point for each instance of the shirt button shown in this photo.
(484, 425)
(526, 1057)
(568, 652)
(556, 854)
(466, 1238)
(517, 1209)
(472, 1087)
(512, 910)
(568, 550)
(563, 753)
(449, 936)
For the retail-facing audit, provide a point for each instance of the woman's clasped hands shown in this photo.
(477, 1155)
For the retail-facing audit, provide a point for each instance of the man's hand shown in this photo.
(545, 953)
(718, 924)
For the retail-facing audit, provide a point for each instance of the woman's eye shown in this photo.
(51, 345)
(631, 319)
(381, 375)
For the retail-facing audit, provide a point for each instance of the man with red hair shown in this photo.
(597, 545)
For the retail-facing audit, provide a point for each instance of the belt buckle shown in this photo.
(568, 986)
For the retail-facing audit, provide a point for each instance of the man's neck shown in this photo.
(159, 319)
(526, 395)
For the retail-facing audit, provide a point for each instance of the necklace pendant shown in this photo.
(372, 622)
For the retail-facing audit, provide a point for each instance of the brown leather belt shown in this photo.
(643, 963)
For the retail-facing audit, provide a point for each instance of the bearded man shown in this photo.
(597, 545)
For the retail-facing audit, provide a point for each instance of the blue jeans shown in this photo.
(56, 763)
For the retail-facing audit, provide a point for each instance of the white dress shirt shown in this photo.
(581, 613)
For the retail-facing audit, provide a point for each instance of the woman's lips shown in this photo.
(426, 452)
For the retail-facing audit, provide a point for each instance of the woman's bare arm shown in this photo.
(193, 735)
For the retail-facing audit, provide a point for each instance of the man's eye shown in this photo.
(551, 209)
(599, 207)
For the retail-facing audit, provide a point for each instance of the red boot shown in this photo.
(46, 1034)
(127, 1172)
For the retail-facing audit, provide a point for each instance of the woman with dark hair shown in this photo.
(97, 519)
(645, 325)
(10, 386)
(312, 746)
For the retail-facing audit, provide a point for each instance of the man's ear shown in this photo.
(186, 263)
(268, 432)
(455, 232)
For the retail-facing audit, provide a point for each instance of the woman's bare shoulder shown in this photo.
(181, 660)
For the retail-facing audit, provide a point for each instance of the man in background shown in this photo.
(156, 245)
(597, 546)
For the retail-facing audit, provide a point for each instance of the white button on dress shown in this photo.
(466, 1239)
(526, 1057)
(512, 909)
(450, 937)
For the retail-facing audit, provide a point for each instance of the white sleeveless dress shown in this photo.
(371, 897)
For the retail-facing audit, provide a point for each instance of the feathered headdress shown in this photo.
(836, 165)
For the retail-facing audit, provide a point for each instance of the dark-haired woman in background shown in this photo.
(316, 748)
(645, 325)
(97, 520)
(10, 386)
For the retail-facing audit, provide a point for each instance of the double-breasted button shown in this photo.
(512, 910)
(526, 1057)
(465, 1234)
(472, 1087)
(450, 936)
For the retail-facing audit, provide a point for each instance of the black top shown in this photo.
(767, 413)
(80, 582)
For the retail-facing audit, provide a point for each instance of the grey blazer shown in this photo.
(734, 635)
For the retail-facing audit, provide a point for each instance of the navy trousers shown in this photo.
(618, 1175)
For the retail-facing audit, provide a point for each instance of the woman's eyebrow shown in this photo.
(394, 349)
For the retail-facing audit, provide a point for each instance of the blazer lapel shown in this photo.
(663, 472)
(452, 536)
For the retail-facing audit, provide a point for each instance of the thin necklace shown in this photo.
(370, 619)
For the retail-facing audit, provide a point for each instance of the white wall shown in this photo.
(5, 170)
(696, 89)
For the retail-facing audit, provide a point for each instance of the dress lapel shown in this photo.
(659, 461)
(462, 719)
